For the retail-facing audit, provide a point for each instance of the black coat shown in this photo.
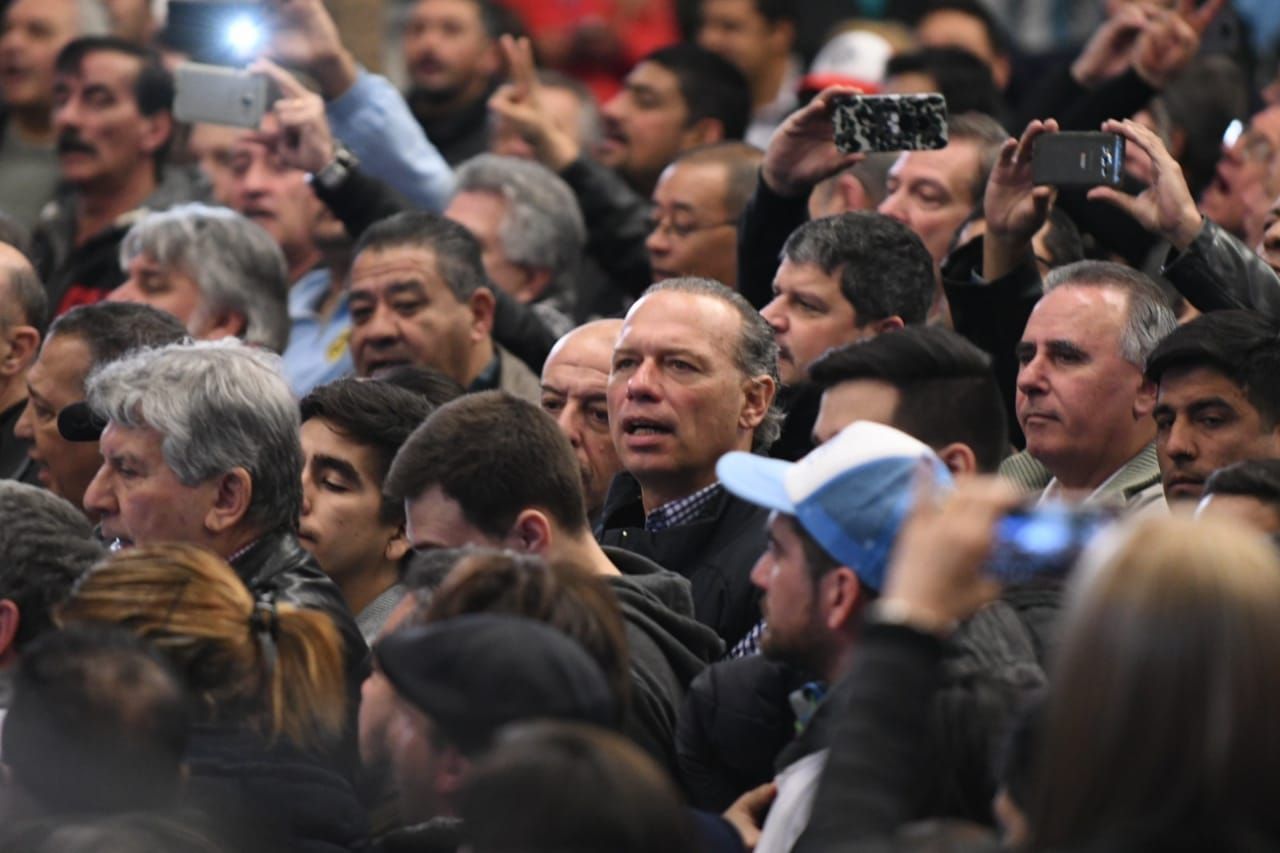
(715, 552)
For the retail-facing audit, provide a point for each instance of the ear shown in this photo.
(840, 595)
(888, 324)
(704, 131)
(758, 393)
(156, 131)
(1144, 403)
(531, 533)
(454, 769)
(233, 492)
(24, 343)
(397, 546)
(481, 304)
(959, 458)
(9, 622)
(535, 282)
(228, 324)
(852, 194)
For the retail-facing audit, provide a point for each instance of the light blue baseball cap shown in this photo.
(850, 494)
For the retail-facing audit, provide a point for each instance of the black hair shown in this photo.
(947, 391)
(1001, 41)
(496, 455)
(711, 86)
(456, 252)
(433, 386)
(111, 329)
(1252, 478)
(1062, 241)
(46, 544)
(98, 724)
(884, 268)
(373, 414)
(774, 11)
(1241, 345)
(962, 78)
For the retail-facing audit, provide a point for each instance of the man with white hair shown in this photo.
(219, 273)
(530, 230)
(201, 446)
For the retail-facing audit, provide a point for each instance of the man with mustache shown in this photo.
(113, 125)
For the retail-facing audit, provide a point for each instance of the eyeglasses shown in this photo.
(682, 229)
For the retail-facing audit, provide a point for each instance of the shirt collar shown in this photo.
(682, 510)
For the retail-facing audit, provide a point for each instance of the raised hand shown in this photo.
(518, 102)
(1110, 49)
(803, 151)
(1014, 207)
(1166, 207)
(304, 35)
(303, 140)
(1171, 39)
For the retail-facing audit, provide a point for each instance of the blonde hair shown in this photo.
(276, 668)
(1165, 695)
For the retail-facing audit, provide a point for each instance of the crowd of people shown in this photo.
(579, 452)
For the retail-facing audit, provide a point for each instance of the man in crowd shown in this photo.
(351, 430)
(1248, 491)
(23, 318)
(112, 102)
(201, 447)
(1082, 400)
(1217, 401)
(696, 206)
(758, 36)
(419, 296)
(451, 54)
(530, 230)
(217, 272)
(694, 376)
(79, 342)
(575, 380)
(45, 545)
(34, 32)
(489, 469)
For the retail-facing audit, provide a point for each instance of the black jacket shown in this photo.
(715, 552)
(271, 797)
(1217, 272)
(276, 568)
(668, 648)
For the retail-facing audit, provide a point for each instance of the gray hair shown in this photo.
(235, 263)
(219, 405)
(756, 353)
(1149, 319)
(543, 227)
(989, 137)
(25, 301)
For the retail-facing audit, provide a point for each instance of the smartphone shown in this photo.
(1078, 159)
(865, 123)
(220, 95)
(1044, 541)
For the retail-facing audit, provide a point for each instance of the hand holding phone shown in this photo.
(866, 123)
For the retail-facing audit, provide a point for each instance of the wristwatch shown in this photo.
(336, 171)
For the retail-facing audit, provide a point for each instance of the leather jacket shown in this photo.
(1218, 272)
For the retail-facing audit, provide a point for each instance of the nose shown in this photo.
(775, 316)
(643, 382)
(127, 292)
(98, 499)
(893, 207)
(306, 496)
(24, 429)
(570, 420)
(762, 571)
(381, 328)
(1032, 379)
(658, 242)
(1179, 440)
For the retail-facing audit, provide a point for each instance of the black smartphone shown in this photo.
(1044, 541)
(1078, 159)
(866, 123)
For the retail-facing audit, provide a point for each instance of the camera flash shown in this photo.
(243, 36)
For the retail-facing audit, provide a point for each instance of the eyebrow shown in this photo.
(339, 466)
(1060, 347)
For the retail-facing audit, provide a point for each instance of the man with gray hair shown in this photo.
(694, 376)
(530, 230)
(24, 312)
(216, 271)
(1082, 400)
(201, 446)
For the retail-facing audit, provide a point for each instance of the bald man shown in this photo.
(573, 392)
(23, 308)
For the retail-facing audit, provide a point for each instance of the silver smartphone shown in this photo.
(220, 95)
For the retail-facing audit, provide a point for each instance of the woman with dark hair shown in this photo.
(268, 691)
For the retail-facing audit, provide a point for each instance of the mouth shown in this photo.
(257, 213)
(1037, 419)
(379, 368)
(1184, 486)
(306, 537)
(641, 433)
